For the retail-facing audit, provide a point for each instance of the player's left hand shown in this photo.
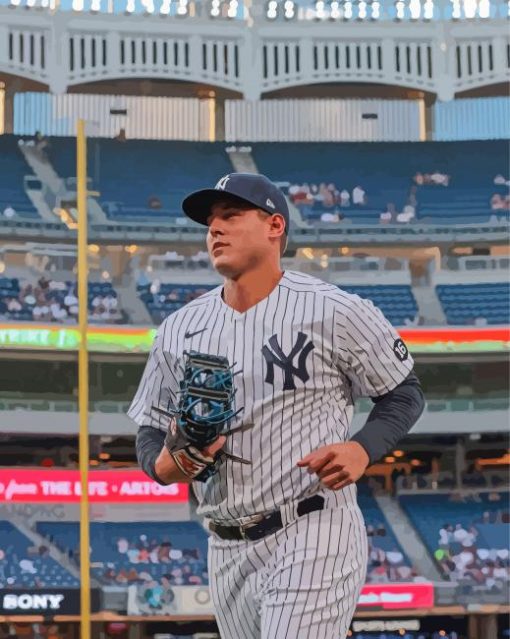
(337, 465)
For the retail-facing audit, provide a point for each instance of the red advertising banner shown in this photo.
(397, 596)
(105, 486)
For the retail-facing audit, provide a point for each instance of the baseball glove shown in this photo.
(205, 410)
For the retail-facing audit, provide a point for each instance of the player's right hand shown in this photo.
(167, 470)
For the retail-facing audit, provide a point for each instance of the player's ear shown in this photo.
(277, 224)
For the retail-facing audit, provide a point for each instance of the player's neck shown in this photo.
(251, 287)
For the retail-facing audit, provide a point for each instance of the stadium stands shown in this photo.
(397, 302)
(386, 561)
(469, 303)
(125, 553)
(468, 536)
(23, 565)
(143, 180)
(131, 552)
(53, 301)
(140, 180)
(13, 168)
(163, 299)
(437, 179)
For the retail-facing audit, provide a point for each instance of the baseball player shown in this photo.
(287, 546)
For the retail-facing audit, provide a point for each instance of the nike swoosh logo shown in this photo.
(188, 335)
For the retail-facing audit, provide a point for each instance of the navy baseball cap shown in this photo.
(252, 188)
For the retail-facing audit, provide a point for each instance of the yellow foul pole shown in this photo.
(83, 377)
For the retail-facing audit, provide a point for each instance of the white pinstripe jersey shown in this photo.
(306, 351)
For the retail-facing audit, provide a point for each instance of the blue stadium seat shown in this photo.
(127, 174)
(377, 523)
(385, 172)
(15, 571)
(187, 537)
(430, 512)
(464, 303)
(10, 288)
(397, 302)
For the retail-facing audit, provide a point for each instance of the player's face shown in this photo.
(238, 238)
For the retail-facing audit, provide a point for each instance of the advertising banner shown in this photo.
(105, 486)
(132, 339)
(47, 601)
(396, 596)
(157, 599)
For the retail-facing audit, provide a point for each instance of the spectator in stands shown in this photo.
(500, 180)
(44, 284)
(27, 566)
(143, 556)
(109, 576)
(388, 214)
(330, 217)
(435, 178)
(41, 312)
(154, 202)
(335, 194)
(500, 203)
(9, 211)
(110, 303)
(58, 312)
(27, 295)
(345, 198)
(122, 545)
(121, 577)
(70, 299)
(445, 536)
(358, 196)
(441, 179)
(13, 305)
(460, 533)
(407, 214)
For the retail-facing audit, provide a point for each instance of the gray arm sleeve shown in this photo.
(392, 417)
(149, 442)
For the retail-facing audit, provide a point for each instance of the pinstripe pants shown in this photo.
(302, 582)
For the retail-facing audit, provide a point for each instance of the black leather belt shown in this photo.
(269, 524)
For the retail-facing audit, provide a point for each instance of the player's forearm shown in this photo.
(155, 459)
(392, 418)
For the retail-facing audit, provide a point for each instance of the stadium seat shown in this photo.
(486, 516)
(18, 301)
(385, 171)
(128, 174)
(382, 543)
(120, 548)
(24, 565)
(465, 303)
(397, 302)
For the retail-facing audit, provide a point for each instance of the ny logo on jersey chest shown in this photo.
(274, 356)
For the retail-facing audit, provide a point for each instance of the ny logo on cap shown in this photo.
(222, 183)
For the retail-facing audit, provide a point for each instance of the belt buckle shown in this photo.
(244, 527)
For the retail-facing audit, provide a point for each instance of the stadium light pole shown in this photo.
(83, 377)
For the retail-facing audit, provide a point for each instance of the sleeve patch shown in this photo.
(400, 350)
